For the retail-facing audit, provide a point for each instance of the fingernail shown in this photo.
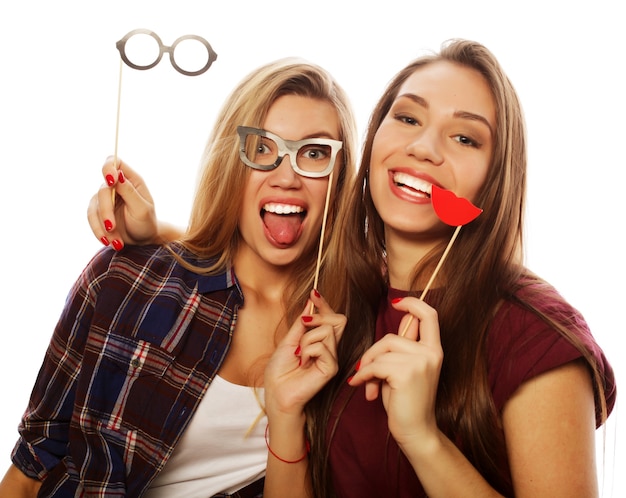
(110, 180)
(358, 365)
(350, 379)
(108, 226)
(317, 294)
(120, 177)
(307, 318)
(117, 245)
(396, 300)
(297, 351)
(105, 241)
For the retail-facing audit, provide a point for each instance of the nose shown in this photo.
(284, 176)
(426, 146)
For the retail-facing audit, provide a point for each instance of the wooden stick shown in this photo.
(117, 124)
(432, 277)
(321, 244)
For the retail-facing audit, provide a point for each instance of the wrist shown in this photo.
(284, 447)
(423, 447)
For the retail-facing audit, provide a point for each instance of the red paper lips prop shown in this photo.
(453, 210)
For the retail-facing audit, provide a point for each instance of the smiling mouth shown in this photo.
(283, 222)
(405, 181)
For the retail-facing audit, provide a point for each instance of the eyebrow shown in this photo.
(311, 136)
(457, 114)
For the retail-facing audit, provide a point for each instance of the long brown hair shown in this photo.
(213, 226)
(488, 269)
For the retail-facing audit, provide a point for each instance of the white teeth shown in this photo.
(412, 182)
(282, 208)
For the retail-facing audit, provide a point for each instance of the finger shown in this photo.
(325, 315)
(319, 356)
(95, 223)
(327, 331)
(294, 334)
(372, 389)
(321, 335)
(110, 171)
(382, 369)
(409, 325)
(103, 211)
(320, 303)
(336, 321)
(427, 318)
(138, 204)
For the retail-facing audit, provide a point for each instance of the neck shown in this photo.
(260, 280)
(404, 253)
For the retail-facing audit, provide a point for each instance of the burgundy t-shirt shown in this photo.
(364, 458)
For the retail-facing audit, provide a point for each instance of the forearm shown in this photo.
(287, 460)
(16, 484)
(444, 471)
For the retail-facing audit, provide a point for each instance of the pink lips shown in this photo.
(415, 197)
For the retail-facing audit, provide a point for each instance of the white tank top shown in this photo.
(214, 455)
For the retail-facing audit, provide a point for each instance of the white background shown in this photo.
(58, 95)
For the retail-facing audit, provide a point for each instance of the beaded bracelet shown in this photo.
(267, 443)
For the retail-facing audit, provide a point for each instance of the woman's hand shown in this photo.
(304, 361)
(132, 219)
(405, 370)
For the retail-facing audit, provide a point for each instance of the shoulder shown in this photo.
(528, 321)
(172, 263)
(534, 331)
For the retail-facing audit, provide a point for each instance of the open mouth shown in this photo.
(283, 222)
(412, 184)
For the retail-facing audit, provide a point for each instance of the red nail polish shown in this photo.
(117, 245)
(105, 241)
(307, 318)
(396, 300)
(110, 180)
(358, 365)
(350, 379)
(121, 178)
(317, 294)
(297, 351)
(108, 226)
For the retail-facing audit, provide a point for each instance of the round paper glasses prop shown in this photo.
(454, 211)
(142, 49)
(190, 55)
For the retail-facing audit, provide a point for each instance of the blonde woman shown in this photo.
(153, 381)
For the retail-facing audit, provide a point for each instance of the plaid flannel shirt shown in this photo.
(137, 345)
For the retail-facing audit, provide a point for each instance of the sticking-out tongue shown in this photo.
(283, 228)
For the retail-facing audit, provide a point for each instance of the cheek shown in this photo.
(249, 197)
(378, 146)
(375, 181)
(318, 190)
(479, 180)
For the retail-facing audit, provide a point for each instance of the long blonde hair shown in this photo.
(213, 226)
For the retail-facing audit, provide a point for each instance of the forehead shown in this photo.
(450, 86)
(294, 117)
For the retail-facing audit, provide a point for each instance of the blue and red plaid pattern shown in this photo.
(137, 345)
